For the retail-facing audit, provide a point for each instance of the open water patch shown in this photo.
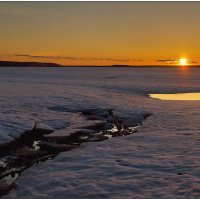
(177, 96)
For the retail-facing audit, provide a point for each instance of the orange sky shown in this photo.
(100, 33)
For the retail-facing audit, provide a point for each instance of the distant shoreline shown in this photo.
(44, 64)
(27, 64)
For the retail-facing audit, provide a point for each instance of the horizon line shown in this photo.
(113, 65)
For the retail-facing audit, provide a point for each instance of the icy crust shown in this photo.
(57, 118)
(40, 144)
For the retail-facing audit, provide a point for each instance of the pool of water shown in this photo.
(177, 96)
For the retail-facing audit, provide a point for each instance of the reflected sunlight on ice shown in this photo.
(177, 96)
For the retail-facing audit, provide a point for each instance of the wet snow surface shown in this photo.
(161, 160)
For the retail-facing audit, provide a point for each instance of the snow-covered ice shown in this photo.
(159, 161)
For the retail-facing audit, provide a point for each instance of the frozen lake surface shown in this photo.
(159, 161)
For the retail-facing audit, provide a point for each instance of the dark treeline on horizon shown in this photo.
(27, 64)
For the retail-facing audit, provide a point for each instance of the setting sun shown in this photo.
(183, 61)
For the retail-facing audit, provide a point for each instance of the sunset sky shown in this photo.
(100, 33)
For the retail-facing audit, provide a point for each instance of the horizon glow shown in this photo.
(100, 33)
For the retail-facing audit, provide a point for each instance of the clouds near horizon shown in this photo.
(76, 58)
(175, 61)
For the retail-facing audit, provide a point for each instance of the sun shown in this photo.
(183, 61)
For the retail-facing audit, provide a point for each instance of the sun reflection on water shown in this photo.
(177, 96)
